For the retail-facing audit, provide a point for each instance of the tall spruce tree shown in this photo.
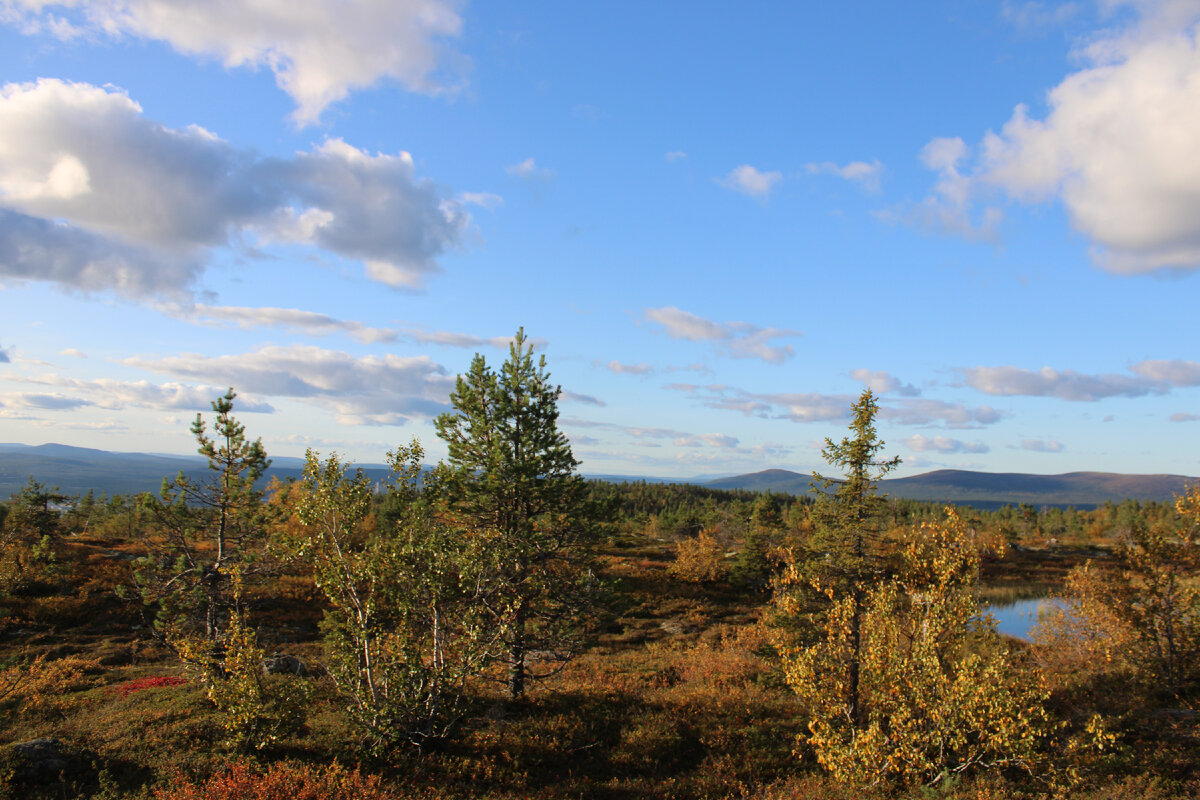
(511, 480)
(844, 547)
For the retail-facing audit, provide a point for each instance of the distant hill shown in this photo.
(990, 489)
(75, 470)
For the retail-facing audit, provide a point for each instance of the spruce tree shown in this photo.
(511, 480)
(844, 548)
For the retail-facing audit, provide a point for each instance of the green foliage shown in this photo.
(209, 526)
(256, 709)
(511, 482)
(403, 633)
(27, 533)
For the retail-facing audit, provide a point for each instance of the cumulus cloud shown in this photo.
(319, 50)
(371, 390)
(94, 196)
(73, 352)
(865, 174)
(750, 181)
(1116, 145)
(943, 444)
(949, 208)
(1042, 445)
(733, 339)
(883, 383)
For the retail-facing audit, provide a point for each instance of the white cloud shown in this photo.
(924, 411)
(733, 339)
(750, 181)
(371, 390)
(585, 399)
(1116, 146)
(1033, 17)
(1175, 373)
(675, 155)
(866, 174)
(948, 208)
(142, 205)
(48, 402)
(319, 50)
(647, 436)
(1042, 445)
(482, 199)
(628, 369)
(450, 339)
(883, 383)
(309, 322)
(1049, 382)
(943, 444)
(817, 407)
(529, 170)
(71, 351)
(114, 394)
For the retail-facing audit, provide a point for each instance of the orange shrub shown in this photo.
(280, 782)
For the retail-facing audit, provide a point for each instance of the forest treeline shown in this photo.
(500, 627)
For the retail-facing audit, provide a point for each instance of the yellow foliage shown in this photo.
(939, 693)
(699, 560)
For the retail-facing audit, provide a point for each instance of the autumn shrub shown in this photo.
(939, 694)
(48, 688)
(140, 684)
(257, 709)
(700, 559)
(282, 781)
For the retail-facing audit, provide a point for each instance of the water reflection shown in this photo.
(1018, 619)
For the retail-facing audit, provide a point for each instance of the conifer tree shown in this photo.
(844, 548)
(511, 480)
(208, 524)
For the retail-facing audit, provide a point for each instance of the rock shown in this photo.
(282, 664)
(41, 762)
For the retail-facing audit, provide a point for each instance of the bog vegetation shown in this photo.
(498, 627)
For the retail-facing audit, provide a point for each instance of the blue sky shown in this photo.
(719, 222)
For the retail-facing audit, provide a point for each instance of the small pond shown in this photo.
(1018, 619)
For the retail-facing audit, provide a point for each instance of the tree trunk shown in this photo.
(516, 655)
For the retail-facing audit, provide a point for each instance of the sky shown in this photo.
(719, 223)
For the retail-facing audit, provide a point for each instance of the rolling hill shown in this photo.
(991, 489)
(75, 470)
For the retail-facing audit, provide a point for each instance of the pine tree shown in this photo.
(511, 479)
(208, 524)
